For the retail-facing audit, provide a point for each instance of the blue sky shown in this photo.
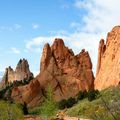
(26, 25)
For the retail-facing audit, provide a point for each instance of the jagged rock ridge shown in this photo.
(66, 73)
(108, 66)
(21, 72)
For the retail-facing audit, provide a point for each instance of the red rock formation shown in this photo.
(101, 51)
(108, 70)
(21, 72)
(65, 72)
(31, 93)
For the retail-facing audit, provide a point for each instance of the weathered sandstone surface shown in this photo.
(108, 66)
(21, 72)
(64, 72)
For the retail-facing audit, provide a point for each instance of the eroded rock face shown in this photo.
(65, 72)
(101, 51)
(108, 70)
(21, 72)
(30, 94)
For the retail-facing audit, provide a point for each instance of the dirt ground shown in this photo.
(65, 118)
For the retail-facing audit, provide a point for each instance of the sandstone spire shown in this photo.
(21, 72)
(101, 51)
(45, 59)
(108, 70)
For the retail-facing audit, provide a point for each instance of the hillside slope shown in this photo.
(109, 97)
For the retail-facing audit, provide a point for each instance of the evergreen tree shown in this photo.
(49, 106)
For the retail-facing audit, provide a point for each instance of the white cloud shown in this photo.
(5, 28)
(15, 50)
(35, 26)
(36, 73)
(10, 28)
(82, 4)
(58, 33)
(76, 26)
(37, 42)
(77, 41)
(101, 16)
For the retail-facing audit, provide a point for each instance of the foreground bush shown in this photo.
(70, 102)
(10, 111)
(66, 103)
(81, 95)
(62, 104)
(105, 107)
(92, 94)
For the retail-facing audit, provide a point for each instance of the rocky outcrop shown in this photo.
(21, 72)
(64, 72)
(108, 67)
(101, 51)
(30, 94)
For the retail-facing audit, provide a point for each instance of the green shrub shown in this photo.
(92, 94)
(66, 103)
(62, 104)
(81, 95)
(106, 106)
(70, 102)
(10, 111)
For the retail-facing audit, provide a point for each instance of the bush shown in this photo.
(62, 104)
(10, 111)
(70, 102)
(92, 94)
(66, 103)
(81, 95)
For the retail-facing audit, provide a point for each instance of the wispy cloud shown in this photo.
(15, 50)
(34, 44)
(99, 20)
(5, 28)
(101, 16)
(77, 41)
(17, 26)
(35, 26)
(58, 33)
(83, 4)
(10, 28)
(76, 26)
(36, 73)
